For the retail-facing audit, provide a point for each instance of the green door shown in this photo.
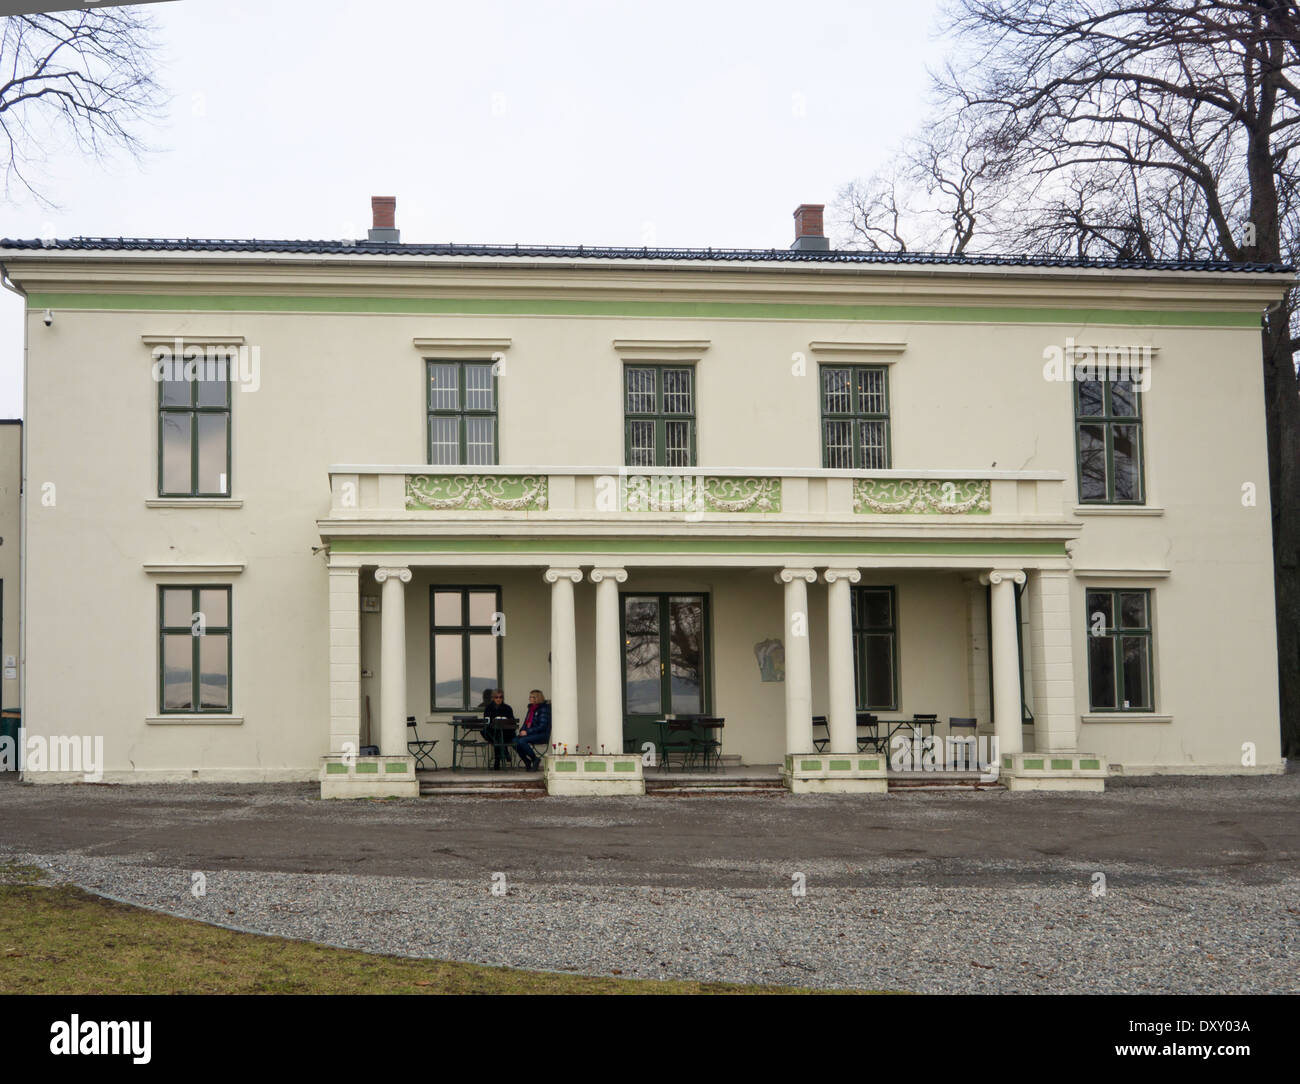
(665, 662)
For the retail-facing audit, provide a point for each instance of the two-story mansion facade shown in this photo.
(763, 485)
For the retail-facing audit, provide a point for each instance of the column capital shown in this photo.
(618, 575)
(853, 575)
(400, 573)
(552, 575)
(997, 575)
(789, 575)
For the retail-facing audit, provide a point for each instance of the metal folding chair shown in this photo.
(820, 743)
(872, 739)
(963, 730)
(420, 748)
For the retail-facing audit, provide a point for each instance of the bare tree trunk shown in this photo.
(1282, 396)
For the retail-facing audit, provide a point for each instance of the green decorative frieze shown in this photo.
(689, 493)
(476, 493)
(922, 496)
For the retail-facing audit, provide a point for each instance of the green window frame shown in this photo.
(461, 402)
(875, 647)
(1120, 643)
(459, 632)
(659, 415)
(194, 426)
(855, 417)
(1108, 440)
(195, 624)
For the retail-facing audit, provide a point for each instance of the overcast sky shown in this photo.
(674, 123)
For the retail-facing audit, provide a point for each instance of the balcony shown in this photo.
(410, 500)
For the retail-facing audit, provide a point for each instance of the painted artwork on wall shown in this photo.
(771, 660)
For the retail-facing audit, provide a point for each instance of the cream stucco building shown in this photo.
(765, 485)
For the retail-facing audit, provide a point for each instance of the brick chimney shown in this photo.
(809, 235)
(384, 209)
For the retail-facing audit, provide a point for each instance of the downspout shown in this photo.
(9, 284)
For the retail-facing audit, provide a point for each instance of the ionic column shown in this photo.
(1007, 716)
(564, 657)
(609, 660)
(843, 705)
(345, 659)
(392, 661)
(798, 660)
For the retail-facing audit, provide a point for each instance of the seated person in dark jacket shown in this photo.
(500, 729)
(536, 729)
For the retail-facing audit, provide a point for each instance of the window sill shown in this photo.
(194, 502)
(194, 720)
(1126, 717)
(1117, 510)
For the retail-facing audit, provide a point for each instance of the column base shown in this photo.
(835, 773)
(593, 774)
(368, 777)
(1054, 771)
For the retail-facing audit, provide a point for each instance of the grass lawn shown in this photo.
(56, 939)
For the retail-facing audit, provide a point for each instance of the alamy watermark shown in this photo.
(940, 754)
(1083, 363)
(189, 362)
(80, 754)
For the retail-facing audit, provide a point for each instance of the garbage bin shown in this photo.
(10, 722)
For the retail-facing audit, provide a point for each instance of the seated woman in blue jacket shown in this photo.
(535, 730)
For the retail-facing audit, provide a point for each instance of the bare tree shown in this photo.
(1161, 129)
(933, 196)
(79, 75)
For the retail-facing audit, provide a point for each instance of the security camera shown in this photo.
(49, 317)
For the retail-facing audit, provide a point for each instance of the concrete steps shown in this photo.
(927, 782)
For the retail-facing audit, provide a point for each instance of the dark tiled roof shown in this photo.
(605, 252)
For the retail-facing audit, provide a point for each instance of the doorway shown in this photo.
(665, 661)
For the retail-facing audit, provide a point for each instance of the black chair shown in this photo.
(471, 744)
(931, 721)
(963, 730)
(502, 738)
(820, 743)
(418, 747)
(678, 739)
(706, 737)
(872, 739)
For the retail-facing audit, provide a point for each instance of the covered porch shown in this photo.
(760, 626)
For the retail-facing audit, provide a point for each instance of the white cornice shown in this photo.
(877, 350)
(187, 339)
(194, 569)
(461, 347)
(1121, 573)
(661, 349)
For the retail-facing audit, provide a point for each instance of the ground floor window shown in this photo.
(194, 626)
(1119, 649)
(466, 630)
(875, 648)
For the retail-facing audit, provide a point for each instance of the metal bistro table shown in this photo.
(701, 739)
(913, 724)
(465, 723)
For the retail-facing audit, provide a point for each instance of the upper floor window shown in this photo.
(659, 415)
(462, 413)
(1108, 432)
(855, 417)
(194, 428)
(1119, 649)
(194, 629)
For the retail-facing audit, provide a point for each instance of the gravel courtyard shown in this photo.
(968, 893)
